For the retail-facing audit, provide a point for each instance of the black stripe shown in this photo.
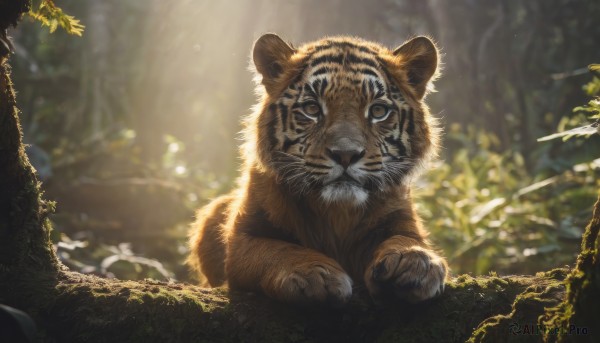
(394, 158)
(411, 122)
(396, 93)
(271, 126)
(308, 144)
(364, 70)
(322, 70)
(371, 87)
(283, 110)
(338, 59)
(330, 44)
(397, 144)
(287, 143)
(301, 119)
(288, 95)
(323, 87)
(372, 163)
(318, 166)
(308, 89)
(316, 84)
(380, 89)
(368, 72)
(385, 150)
(388, 76)
(371, 170)
(355, 59)
(402, 119)
(297, 79)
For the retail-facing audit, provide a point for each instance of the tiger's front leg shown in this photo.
(285, 271)
(403, 268)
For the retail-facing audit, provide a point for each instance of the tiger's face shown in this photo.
(342, 118)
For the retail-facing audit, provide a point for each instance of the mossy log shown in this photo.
(72, 307)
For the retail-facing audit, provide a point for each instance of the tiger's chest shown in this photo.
(336, 232)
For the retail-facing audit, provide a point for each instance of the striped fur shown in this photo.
(324, 197)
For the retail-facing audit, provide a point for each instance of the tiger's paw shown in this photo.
(414, 275)
(314, 283)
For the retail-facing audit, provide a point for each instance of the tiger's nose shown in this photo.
(346, 157)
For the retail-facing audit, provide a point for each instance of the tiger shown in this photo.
(323, 204)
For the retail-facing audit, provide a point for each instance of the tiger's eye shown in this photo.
(312, 109)
(378, 111)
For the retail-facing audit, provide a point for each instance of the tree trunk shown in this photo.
(72, 307)
(97, 69)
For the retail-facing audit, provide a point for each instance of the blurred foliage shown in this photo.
(510, 220)
(134, 126)
(584, 114)
(49, 15)
(488, 213)
(115, 220)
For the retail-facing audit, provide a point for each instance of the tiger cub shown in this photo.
(323, 202)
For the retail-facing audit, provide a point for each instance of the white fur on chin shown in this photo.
(344, 192)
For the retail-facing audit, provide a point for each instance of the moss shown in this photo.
(126, 310)
(557, 273)
(467, 302)
(24, 229)
(520, 325)
(87, 308)
(555, 311)
(581, 307)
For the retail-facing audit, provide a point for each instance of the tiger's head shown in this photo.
(342, 118)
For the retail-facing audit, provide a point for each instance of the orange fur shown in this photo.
(288, 232)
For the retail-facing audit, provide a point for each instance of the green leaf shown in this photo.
(537, 185)
(480, 212)
(53, 17)
(578, 131)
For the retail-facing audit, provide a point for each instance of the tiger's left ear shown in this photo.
(419, 59)
(271, 56)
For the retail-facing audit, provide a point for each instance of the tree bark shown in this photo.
(73, 307)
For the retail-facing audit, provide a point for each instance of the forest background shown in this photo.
(134, 125)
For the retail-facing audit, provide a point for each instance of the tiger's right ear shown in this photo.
(419, 57)
(271, 56)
